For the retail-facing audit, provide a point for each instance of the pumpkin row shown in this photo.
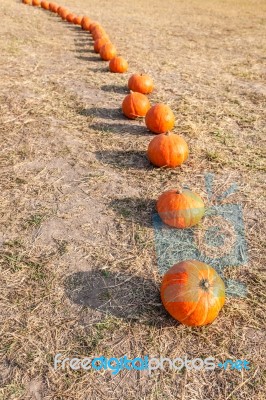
(191, 291)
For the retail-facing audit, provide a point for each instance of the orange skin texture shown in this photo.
(93, 25)
(193, 293)
(167, 150)
(107, 51)
(70, 18)
(53, 7)
(100, 42)
(28, 2)
(160, 119)
(85, 23)
(45, 5)
(77, 20)
(97, 33)
(36, 3)
(180, 209)
(141, 83)
(64, 13)
(135, 105)
(118, 65)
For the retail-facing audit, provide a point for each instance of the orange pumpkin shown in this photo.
(53, 7)
(97, 33)
(135, 105)
(70, 18)
(118, 64)
(180, 209)
(160, 119)
(107, 51)
(36, 3)
(141, 83)
(77, 20)
(85, 23)
(100, 42)
(93, 25)
(167, 150)
(28, 2)
(64, 13)
(45, 5)
(193, 293)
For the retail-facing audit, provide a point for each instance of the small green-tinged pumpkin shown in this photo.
(180, 208)
(193, 293)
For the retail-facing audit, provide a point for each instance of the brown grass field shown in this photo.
(79, 271)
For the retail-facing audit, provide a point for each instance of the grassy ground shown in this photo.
(77, 194)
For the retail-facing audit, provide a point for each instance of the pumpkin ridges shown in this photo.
(160, 118)
(168, 150)
(184, 298)
(135, 105)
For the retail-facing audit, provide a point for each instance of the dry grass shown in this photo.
(77, 194)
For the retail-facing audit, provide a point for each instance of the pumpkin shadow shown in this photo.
(121, 128)
(89, 58)
(136, 209)
(83, 51)
(128, 297)
(125, 159)
(103, 112)
(115, 89)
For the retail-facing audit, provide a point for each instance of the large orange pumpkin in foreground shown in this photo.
(180, 209)
(167, 150)
(160, 119)
(100, 42)
(107, 51)
(45, 5)
(141, 83)
(118, 65)
(36, 3)
(135, 105)
(193, 293)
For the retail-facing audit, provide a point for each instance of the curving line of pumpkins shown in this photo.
(191, 291)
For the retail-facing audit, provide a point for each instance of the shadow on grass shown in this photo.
(90, 58)
(115, 89)
(120, 128)
(103, 112)
(136, 209)
(122, 295)
(126, 159)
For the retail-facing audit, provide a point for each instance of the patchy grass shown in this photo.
(77, 194)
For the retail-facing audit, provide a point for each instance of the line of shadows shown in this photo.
(127, 159)
(103, 112)
(115, 89)
(120, 128)
(134, 208)
(129, 297)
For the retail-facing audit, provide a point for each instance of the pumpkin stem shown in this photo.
(205, 284)
(179, 190)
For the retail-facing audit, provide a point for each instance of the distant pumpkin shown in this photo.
(70, 18)
(97, 33)
(64, 13)
(36, 3)
(167, 150)
(77, 20)
(100, 42)
(85, 23)
(180, 208)
(45, 5)
(118, 65)
(141, 83)
(160, 119)
(53, 7)
(135, 105)
(107, 51)
(93, 25)
(193, 293)
(27, 2)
